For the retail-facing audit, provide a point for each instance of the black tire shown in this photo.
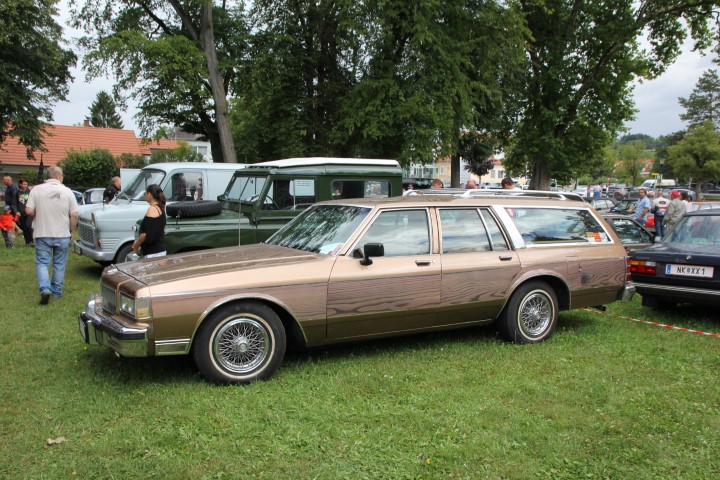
(123, 252)
(658, 304)
(240, 343)
(201, 208)
(531, 314)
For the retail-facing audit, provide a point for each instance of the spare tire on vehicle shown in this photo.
(201, 208)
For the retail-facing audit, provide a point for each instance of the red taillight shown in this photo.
(641, 266)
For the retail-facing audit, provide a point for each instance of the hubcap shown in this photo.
(535, 314)
(241, 345)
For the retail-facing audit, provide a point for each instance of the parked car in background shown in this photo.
(632, 235)
(358, 269)
(601, 204)
(263, 197)
(106, 231)
(704, 205)
(684, 267)
(78, 197)
(93, 195)
(623, 206)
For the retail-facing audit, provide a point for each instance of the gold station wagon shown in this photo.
(349, 270)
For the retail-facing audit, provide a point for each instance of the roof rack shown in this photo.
(498, 192)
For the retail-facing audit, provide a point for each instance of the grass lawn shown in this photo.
(604, 398)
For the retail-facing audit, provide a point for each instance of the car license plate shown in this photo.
(689, 271)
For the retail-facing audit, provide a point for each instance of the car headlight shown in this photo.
(137, 308)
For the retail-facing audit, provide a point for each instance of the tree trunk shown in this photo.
(207, 43)
(540, 177)
(455, 171)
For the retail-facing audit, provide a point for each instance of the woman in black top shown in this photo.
(151, 237)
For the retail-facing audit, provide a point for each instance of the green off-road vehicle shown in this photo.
(263, 197)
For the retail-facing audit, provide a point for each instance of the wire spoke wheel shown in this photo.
(241, 345)
(530, 315)
(535, 313)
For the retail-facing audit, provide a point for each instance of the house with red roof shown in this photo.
(59, 139)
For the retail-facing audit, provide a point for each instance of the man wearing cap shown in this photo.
(675, 211)
(641, 207)
(55, 214)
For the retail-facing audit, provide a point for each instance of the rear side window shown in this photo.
(184, 186)
(556, 225)
(470, 230)
(360, 188)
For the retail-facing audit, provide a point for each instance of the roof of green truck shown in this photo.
(321, 165)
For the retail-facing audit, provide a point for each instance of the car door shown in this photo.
(477, 265)
(399, 291)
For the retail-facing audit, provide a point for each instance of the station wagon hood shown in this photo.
(156, 271)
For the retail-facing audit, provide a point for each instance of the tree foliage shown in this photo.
(632, 163)
(697, 155)
(176, 58)
(183, 153)
(34, 69)
(88, 168)
(391, 79)
(703, 104)
(477, 150)
(582, 58)
(103, 112)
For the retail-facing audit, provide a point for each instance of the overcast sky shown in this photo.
(656, 100)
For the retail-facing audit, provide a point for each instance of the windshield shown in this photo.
(136, 189)
(701, 233)
(244, 188)
(321, 228)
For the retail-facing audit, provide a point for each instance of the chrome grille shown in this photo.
(108, 299)
(86, 234)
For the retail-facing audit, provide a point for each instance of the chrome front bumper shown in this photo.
(97, 255)
(99, 329)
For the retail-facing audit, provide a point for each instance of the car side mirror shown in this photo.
(372, 250)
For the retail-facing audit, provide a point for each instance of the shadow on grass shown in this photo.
(105, 367)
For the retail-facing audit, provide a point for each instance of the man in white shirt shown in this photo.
(659, 207)
(55, 214)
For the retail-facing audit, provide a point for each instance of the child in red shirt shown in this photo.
(8, 226)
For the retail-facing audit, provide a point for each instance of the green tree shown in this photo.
(697, 155)
(183, 153)
(103, 112)
(583, 57)
(130, 160)
(477, 151)
(88, 168)
(703, 104)
(176, 58)
(662, 156)
(632, 163)
(34, 69)
(391, 79)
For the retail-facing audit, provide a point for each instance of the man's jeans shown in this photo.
(659, 230)
(55, 249)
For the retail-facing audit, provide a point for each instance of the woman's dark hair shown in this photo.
(684, 195)
(156, 192)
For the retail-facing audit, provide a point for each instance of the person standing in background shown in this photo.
(54, 210)
(675, 211)
(151, 235)
(24, 222)
(10, 193)
(112, 190)
(659, 207)
(641, 207)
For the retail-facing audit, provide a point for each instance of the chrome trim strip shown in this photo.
(675, 288)
(180, 346)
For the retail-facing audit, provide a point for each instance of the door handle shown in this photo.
(505, 258)
(421, 263)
